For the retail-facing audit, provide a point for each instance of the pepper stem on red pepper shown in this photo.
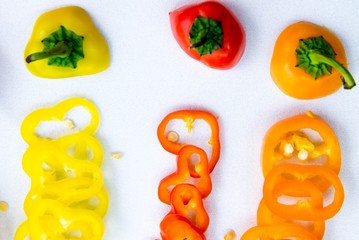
(317, 58)
(206, 35)
(62, 48)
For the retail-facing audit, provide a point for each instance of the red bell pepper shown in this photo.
(210, 33)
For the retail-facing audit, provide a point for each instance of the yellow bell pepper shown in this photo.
(66, 43)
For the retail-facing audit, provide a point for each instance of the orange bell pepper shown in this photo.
(183, 174)
(286, 140)
(189, 117)
(303, 57)
(295, 180)
(278, 231)
(176, 227)
(266, 217)
(186, 201)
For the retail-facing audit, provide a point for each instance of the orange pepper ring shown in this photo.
(274, 184)
(278, 231)
(293, 124)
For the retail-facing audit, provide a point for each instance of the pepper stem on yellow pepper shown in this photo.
(60, 50)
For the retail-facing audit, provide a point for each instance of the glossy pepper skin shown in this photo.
(67, 197)
(265, 217)
(288, 131)
(183, 174)
(278, 231)
(94, 58)
(189, 117)
(292, 79)
(297, 183)
(230, 47)
(176, 227)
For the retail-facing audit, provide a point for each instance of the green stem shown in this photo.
(61, 49)
(317, 58)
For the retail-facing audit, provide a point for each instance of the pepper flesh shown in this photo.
(183, 174)
(296, 82)
(186, 201)
(221, 52)
(67, 198)
(273, 155)
(278, 231)
(189, 117)
(176, 227)
(266, 217)
(300, 185)
(96, 53)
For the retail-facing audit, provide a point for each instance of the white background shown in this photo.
(149, 77)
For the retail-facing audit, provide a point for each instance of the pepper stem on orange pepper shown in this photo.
(317, 57)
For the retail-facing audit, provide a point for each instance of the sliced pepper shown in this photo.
(288, 133)
(186, 201)
(278, 231)
(176, 227)
(189, 117)
(295, 181)
(58, 113)
(66, 43)
(56, 175)
(303, 57)
(51, 220)
(266, 217)
(202, 182)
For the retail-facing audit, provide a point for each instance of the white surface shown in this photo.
(149, 77)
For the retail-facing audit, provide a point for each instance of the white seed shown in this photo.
(288, 149)
(303, 154)
(116, 155)
(172, 136)
(69, 124)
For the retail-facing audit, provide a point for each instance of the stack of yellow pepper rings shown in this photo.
(186, 188)
(298, 166)
(67, 199)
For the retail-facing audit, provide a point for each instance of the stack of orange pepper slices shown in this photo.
(188, 219)
(293, 167)
(67, 198)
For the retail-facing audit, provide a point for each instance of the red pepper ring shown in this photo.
(275, 186)
(189, 116)
(176, 227)
(186, 201)
(203, 182)
(266, 217)
(278, 231)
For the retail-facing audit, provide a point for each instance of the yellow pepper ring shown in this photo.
(58, 112)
